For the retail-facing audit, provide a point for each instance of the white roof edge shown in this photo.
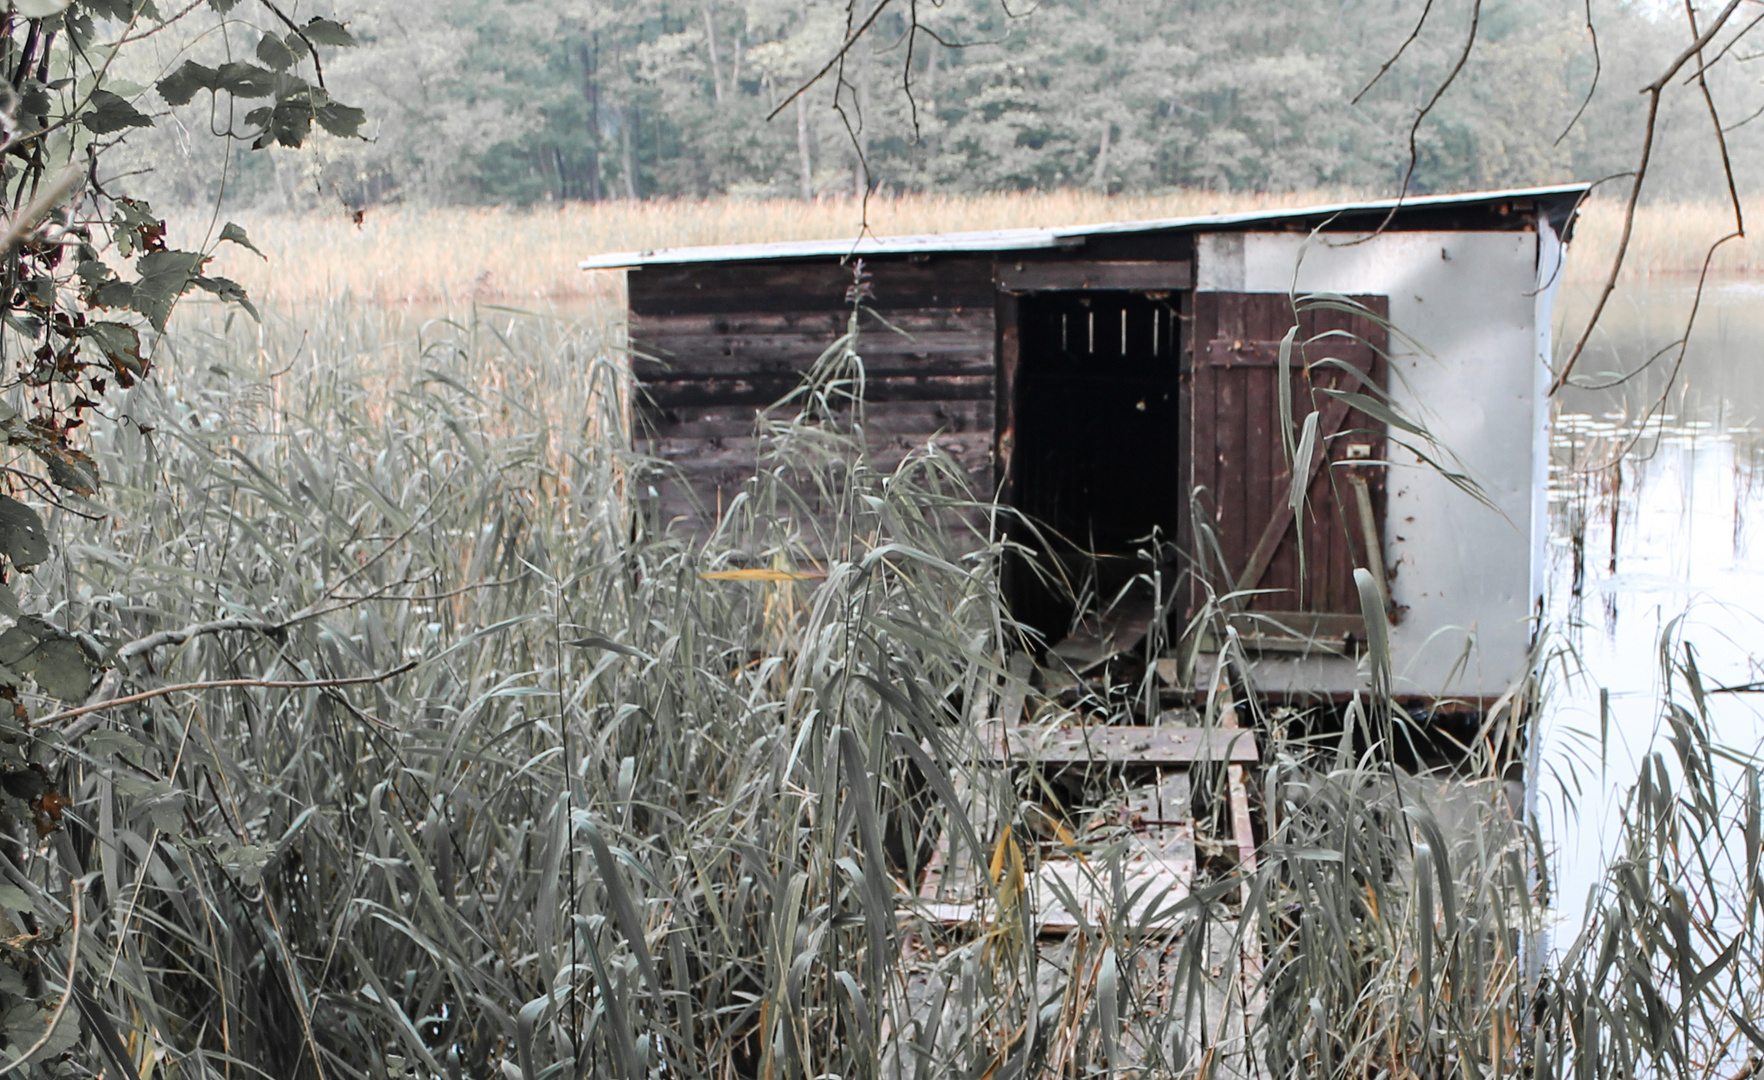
(995, 240)
(1030, 239)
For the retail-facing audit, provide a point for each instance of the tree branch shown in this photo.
(1598, 66)
(837, 57)
(223, 684)
(178, 637)
(73, 966)
(1398, 55)
(1653, 90)
(317, 68)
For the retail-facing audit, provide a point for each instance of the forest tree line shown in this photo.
(524, 101)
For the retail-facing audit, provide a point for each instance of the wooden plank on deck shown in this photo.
(1118, 744)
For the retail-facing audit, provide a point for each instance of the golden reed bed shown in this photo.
(400, 255)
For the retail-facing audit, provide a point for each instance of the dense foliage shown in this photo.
(407, 749)
(88, 278)
(622, 819)
(524, 100)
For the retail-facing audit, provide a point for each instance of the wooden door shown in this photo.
(1240, 463)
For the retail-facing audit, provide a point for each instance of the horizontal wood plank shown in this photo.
(1118, 745)
(829, 324)
(820, 285)
(1224, 353)
(675, 358)
(762, 390)
(1137, 276)
(881, 418)
(1329, 627)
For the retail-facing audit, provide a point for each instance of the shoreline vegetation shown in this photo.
(404, 255)
(625, 818)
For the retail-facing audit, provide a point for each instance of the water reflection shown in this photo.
(1654, 486)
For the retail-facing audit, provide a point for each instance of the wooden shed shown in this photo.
(1103, 379)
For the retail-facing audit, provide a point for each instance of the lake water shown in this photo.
(1657, 506)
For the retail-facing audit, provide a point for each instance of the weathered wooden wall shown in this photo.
(1239, 460)
(712, 343)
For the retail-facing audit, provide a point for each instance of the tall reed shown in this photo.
(445, 257)
(625, 819)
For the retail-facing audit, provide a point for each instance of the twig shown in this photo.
(73, 960)
(1598, 66)
(1438, 93)
(1398, 55)
(1739, 217)
(1727, 48)
(178, 637)
(1653, 90)
(222, 684)
(39, 208)
(317, 69)
(837, 57)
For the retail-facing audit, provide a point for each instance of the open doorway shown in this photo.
(1097, 417)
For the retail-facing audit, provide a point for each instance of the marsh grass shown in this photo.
(449, 257)
(622, 819)
(455, 255)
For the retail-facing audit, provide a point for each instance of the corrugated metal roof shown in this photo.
(1031, 239)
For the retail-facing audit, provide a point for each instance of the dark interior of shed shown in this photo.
(1095, 461)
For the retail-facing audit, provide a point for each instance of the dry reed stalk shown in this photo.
(449, 256)
(403, 255)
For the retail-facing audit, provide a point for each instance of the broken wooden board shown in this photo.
(1118, 745)
(1068, 892)
(1099, 636)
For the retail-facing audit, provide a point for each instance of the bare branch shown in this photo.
(838, 57)
(41, 207)
(1653, 90)
(223, 684)
(1727, 48)
(1696, 47)
(317, 68)
(1598, 66)
(1398, 55)
(141, 646)
(73, 966)
(1739, 217)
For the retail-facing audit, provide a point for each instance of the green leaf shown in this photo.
(241, 79)
(120, 10)
(13, 898)
(165, 276)
(117, 295)
(25, 1023)
(343, 121)
(167, 812)
(1378, 410)
(232, 232)
(121, 345)
(22, 539)
(111, 113)
(326, 32)
(63, 671)
(137, 228)
(72, 470)
(103, 744)
(34, 99)
(246, 80)
(55, 659)
(229, 290)
(274, 53)
(180, 87)
(9, 601)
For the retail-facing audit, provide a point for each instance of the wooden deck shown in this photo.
(1130, 889)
